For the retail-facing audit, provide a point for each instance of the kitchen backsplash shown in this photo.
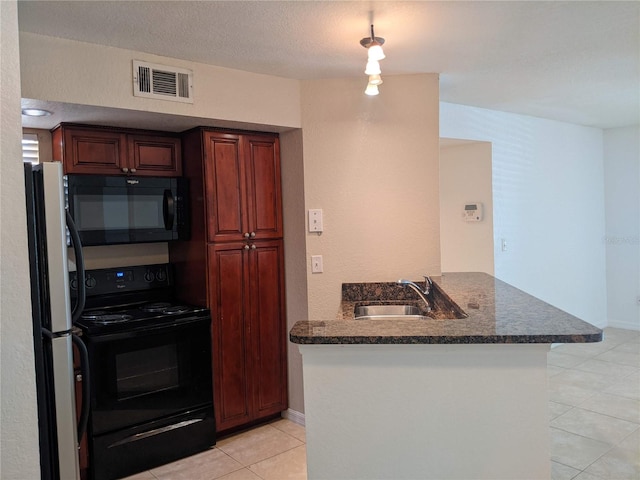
(121, 255)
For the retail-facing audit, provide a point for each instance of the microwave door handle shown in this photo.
(168, 209)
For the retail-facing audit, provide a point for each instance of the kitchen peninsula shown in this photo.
(459, 394)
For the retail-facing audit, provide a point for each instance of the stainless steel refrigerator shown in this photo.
(52, 321)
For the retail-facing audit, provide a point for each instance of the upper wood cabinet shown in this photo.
(110, 151)
(243, 184)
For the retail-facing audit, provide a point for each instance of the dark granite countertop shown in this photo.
(467, 308)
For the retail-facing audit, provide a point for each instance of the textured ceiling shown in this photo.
(571, 61)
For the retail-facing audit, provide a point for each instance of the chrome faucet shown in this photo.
(416, 288)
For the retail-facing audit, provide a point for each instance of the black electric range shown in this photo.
(151, 391)
(131, 298)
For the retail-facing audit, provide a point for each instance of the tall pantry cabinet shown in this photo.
(234, 264)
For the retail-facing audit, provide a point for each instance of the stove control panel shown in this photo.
(124, 279)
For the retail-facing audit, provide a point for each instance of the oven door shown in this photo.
(149, 374)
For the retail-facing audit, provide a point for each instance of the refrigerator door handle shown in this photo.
(86, 386)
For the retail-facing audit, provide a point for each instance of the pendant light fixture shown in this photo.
(375, 53)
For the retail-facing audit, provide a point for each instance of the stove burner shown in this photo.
(175, 309)
(155, 307)
(165, 308)
(110, 318)
(93, 314)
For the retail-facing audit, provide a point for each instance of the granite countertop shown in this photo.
(467, 308)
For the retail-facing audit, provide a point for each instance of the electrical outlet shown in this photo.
(316, 263)
(503, 244)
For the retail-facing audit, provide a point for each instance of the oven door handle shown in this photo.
(168, 209)
(154, 432)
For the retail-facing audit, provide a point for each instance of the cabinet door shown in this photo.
(225, 186)
(89, 151)
(268, 327)
(228, 273)
(155, 155)
(262, 157)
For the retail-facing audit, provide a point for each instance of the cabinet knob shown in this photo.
(253, 247)
(133, 170)
(125, 169)
(79, 377)
(246, 235)
(252, 234)
(246, 247)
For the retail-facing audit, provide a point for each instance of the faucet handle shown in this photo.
(428, 284)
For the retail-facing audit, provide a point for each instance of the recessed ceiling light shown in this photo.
(36, 112)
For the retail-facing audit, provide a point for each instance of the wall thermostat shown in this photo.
(472, 212)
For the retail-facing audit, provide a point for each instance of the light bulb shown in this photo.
(373, 68)
(35, 112)
(375, 52)
(371, 89)
(375, 79)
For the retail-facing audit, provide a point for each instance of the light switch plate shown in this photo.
(315, 220)
(316, 263)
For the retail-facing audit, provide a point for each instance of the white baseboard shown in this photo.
(624, 324)
(294, 416)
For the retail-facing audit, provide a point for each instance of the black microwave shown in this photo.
(110, 210)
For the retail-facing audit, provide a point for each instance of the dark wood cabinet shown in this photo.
(247, 304)
(234, 264)
(243, 182)
(155, 155)
(109, 151)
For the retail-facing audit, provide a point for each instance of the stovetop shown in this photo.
(132, 298)
(135, 317)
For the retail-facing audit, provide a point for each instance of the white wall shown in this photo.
(409, 412)
(19, 456)
(622, 204)
(548, 198)
(371, 164)
(465, 177)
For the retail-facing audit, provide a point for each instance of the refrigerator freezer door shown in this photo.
(56, 222)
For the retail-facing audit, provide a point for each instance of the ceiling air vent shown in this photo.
(162, 82)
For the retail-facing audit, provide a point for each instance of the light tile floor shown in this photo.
(594, 393)
(594, 408)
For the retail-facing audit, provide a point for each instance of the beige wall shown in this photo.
(371, 164)
(19, 458)
(465, 177)
(61, 70)
(295, 264)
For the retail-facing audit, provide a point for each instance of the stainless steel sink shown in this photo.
(387, 311)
